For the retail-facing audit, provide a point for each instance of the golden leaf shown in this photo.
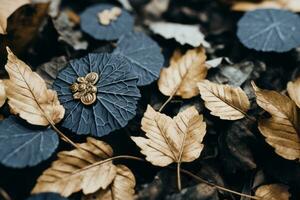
(283, 128)
(28, 95)
(293, 89)
(2, 93)
(181, 77)
(273, 192)
(171, 140)
(6, 9)
(121, 188)
(76, 170)
(292, 5)
(224, 101)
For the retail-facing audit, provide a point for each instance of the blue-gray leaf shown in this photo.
(144, 54)
(22, 145)
(117, 94)
(46, 196)
(90, 24)
(269, 30)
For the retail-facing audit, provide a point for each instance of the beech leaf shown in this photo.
(224, 101)
(121, 188)
(74, 170)
(2, 93)
(282, 130)
(23, 146)
(46, 196)
(182, 76)
(293, 89)
(273, 192)
(171, 140)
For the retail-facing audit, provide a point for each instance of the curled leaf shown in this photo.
(282, 130)
(182, 76)
(28, 95)
(224, 101)
(273, 192)
(293, 89)
(2, 93)
(171, 140)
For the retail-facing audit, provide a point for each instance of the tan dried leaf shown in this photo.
(78, 170)
(283, 128)
(292, 5)
(121, 188)
(28, 95)
(224, 101)
(2, 93)
(273, 192)
(293, 89)
(6, 9)
(182, 76)
(171, 140)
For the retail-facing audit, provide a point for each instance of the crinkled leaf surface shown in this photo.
(90, 24)
(46, 196)
(144, 54)
(117, 94)
(269, 30)
(22, 145)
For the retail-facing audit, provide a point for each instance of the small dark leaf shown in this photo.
(116, 95)
(23, 146)
(46, 196)
(144, 54)
(90, 24)
(269, 30)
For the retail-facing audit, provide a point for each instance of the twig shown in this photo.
(178, 176)
(4, 194)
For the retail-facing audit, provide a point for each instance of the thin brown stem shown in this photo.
(178, 177)
(169, 99)
(4, 195)
(250, 117)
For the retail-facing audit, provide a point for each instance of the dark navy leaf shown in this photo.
(269, 30)
(90, 24)
(145, 55)
(117, 94)
(46, 196)
(22, 145)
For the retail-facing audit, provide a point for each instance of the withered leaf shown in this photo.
(224, 101)
(293, 89)
(28, 95)
(74, 170)
(282, 130)
(6, 9)
(2, 93)
(182, 76)
(121, 188)
(171, 140)
(292, 5)
(273, 192)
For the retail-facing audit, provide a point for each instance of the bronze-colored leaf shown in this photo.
(171, 140)
(76, 170)
(181, 77)
(28, 95)
(2, 93)
(273, 192)
(6, 9)
(121, 188)
(293, 89)
(224, 101)
(283, 128)
(292, 5)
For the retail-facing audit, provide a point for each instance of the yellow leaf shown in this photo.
(293, 89)
(273, 192)
(224, 101)
(121, 188)
(74, 170)
(171, 140)
(181, 77)
(2, 93)
(282, 129)
(292, 5)
(28, 95)
(6, 9)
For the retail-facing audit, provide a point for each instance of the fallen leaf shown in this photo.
(293, 89)
(2, 93)
(75, 170)
(28, 95)
(184, 34)
(6, 9)
(224, 101)
(273, 192)
(282, 130)
(171, 140)
(292, 5)
(121, 188)
(182, 76)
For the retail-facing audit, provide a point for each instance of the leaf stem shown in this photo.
(4, 194)
(169, 99)
(178, 177)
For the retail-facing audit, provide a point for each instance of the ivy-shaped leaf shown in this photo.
(46, 196)
(144, 54)
(23, 146)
